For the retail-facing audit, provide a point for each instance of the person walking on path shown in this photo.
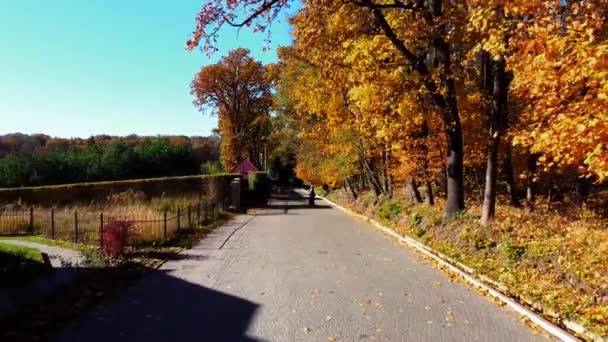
(311, 196)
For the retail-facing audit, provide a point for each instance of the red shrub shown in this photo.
(115, 236)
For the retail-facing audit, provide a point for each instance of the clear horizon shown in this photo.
(73, 70)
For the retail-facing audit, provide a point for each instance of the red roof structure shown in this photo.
(244, 167)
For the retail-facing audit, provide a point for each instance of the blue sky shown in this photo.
(75, 68)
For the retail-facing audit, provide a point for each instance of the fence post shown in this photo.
(101, 229)
(189, 216)
(165, 225)
(76, 226)
(31, 220)
(53, 223)
(179, 216)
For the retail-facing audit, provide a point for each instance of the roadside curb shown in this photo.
(468, 274)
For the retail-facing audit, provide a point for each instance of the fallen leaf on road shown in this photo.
(307, 330)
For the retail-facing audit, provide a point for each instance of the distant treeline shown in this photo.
(32, 160)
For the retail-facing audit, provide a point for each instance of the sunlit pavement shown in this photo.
(293, 273)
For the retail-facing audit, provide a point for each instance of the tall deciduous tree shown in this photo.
(238, 91)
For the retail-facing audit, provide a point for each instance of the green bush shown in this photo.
(513, 252)
(389, 210)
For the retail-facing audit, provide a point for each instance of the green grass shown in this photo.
(19, 265)
(50, 242)
(90, 253)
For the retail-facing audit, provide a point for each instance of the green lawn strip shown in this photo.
(19, 265)
(50, 242)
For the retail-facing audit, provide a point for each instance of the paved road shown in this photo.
(290, 273)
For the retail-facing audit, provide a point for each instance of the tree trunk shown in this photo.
(412, 192)
(454, 170)
(489, 198)
(372, 180)
(550, 194)
(446, 102)
(429, 198)
(349, 186)
(530, 186)
(496, 123)
(582, 190)
(384, 173)
(388, 181)
(451, 118)
(509, 174)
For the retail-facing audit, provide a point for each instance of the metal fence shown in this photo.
(85, 226)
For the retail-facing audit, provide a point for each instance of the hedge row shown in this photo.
(99, 191)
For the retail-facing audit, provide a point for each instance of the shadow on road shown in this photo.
(157, 307)
(289, 199)
(164, 308)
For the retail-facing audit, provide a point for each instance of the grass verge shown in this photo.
(19, 265)
(555, 263)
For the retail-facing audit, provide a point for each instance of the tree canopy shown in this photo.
(238, 91)
(432, 92)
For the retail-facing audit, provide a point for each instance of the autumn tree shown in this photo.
(429, 25)
(406, 81)
(238, 91)
(561, 87)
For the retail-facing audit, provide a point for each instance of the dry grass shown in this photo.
(82, 223)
